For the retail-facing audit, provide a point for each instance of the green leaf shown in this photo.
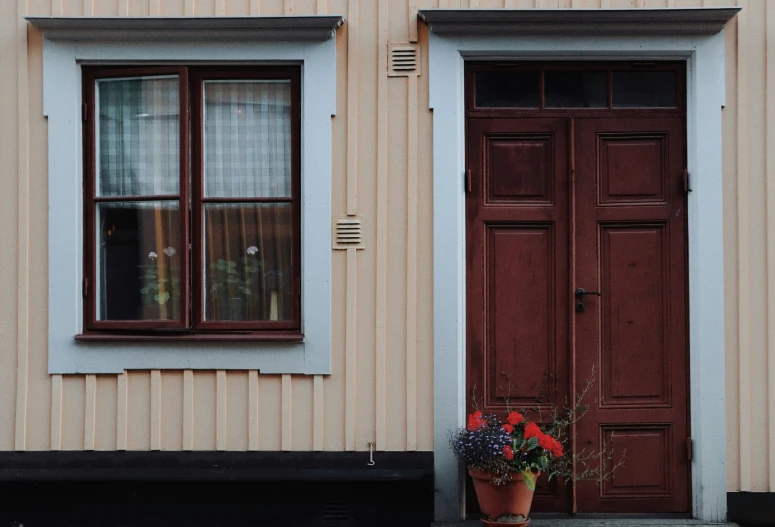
(529, 479)
(143, 290)
(161, 298)
(532, 443)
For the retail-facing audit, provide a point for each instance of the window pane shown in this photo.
(138, 261)
(507, 89)
(138, 136)
(575, 89)
(248, 269)
(247, 138)
(644, 89)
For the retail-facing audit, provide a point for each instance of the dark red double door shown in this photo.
(579, 200)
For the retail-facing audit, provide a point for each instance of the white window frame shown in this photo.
(62, 93)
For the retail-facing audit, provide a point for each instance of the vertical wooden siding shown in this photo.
(382, 383)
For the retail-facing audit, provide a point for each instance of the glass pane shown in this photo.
(138, 136)
(138, 261)
(575, 89)
(247, 138)
(507, 89)
(248, 261)
(644, 89)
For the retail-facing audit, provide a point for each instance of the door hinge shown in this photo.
(85, 287)
(687, 181)
(468, 183)
(689, 448)
(84, 112)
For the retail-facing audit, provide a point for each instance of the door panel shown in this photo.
(630, 241)
(517, 247)
(626, 238)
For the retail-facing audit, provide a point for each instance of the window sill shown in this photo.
(268, 336)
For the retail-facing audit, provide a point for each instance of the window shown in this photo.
(592, 86)
(192, 201)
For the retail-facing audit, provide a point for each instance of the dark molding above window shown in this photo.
(309, 28)
(562, 22)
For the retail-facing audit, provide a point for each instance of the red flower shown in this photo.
(546, 442)
(532, 430)
(475, 421)
(514, 418)
(507, 428)
(508, 452)
(557, 449)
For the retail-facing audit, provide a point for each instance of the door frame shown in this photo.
(705, 93)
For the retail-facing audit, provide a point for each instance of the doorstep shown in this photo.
(608, 522)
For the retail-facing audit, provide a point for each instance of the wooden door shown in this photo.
(561, 200)
(518, 257)
(631, 247)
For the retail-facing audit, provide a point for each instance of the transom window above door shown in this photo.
(558, 85)
(192, 201)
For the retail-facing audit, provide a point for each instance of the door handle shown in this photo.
(580, 294)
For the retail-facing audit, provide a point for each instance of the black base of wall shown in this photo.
(215, 504)
(215, 466)
(215, 489)
(751, 508)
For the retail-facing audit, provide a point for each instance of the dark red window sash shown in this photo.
(191, 200)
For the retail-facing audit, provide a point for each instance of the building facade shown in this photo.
(388, 121)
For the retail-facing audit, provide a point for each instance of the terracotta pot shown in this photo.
(488, 523)
(498, 500)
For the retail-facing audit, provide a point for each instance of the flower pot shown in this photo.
(498, 500)
(489, 523)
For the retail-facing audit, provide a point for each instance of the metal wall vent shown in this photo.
(403, 59)
(336, 514)
(348, 232)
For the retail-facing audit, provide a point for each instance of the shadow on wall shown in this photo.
(220, 504)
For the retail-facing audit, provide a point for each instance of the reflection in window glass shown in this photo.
(138, 261)
(575, 89)
(248, 267)
(644, 89)
(507, 89)
(138, 143)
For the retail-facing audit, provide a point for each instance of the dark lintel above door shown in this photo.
(635, 22)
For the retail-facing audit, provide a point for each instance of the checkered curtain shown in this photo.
(247, 154)
(247, 139)
(139, 137)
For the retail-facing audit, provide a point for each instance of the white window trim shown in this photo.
(62, 60)
(704, 56)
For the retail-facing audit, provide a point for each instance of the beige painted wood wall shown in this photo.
(381, 388)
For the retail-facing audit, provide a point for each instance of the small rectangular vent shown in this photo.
(336, 514)
(403, 59)
(348, 232)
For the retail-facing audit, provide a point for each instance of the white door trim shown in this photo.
(704, 56)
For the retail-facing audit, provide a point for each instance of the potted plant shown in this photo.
(160, 291)
(505, 457)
